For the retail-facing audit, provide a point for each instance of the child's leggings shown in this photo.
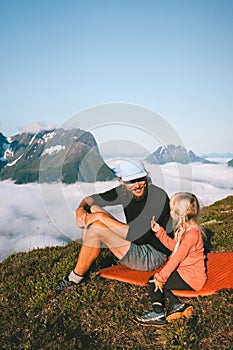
(174, 282)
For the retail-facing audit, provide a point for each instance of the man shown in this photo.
(134, 244)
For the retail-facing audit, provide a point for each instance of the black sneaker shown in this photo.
(151, 318)
(179, 311)
(64, 285)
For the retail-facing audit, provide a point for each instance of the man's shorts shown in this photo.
(143, 257)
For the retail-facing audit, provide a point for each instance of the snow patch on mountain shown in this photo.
(8, 152)
(33, 138)
(49, 136)
(6, 149)
(53, 149)
(15, 161)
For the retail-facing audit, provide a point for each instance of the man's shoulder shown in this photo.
(153, 189)
(110, 194)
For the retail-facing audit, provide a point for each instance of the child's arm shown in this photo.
(162, 235)
(174, 260)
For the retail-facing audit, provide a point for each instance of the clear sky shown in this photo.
(174, 57)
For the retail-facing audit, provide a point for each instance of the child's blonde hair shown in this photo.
(184, 208)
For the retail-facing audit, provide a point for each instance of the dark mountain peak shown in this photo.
(4, 145)
(173, 153)
(230, 163)
(3, 138)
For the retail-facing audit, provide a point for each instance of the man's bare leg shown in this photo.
(93, 236)
(120, 228)
(87, 255)
(91, 247)
(86, 258)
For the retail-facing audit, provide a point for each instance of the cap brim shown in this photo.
(134, 176)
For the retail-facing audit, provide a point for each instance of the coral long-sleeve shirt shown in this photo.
(188, 259)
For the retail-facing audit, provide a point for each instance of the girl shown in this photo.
(185, 268)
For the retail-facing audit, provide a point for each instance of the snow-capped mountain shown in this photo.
(51, 156)
(172, 153)
(4, 145)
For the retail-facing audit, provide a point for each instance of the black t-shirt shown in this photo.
(138, 213)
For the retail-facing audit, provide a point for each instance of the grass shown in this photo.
(98, 314)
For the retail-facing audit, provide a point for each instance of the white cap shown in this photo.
(132, 170)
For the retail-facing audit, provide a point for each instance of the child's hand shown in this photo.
(154, 226)
(158, 285)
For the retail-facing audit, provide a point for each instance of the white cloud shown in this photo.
(35, 215)
(36, 126)
(210, 182)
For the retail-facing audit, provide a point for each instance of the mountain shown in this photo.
(217, 155)
(52, 156)
(3, 147)
(172, 153)
(230, 163)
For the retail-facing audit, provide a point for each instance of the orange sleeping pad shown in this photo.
(219, 272)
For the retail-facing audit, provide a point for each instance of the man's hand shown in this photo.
(92, 217)
(81, 217)
(84, 219)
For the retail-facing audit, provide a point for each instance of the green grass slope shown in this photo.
(98, 314)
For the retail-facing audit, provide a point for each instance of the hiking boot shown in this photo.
(151, 318)
(64, 285)
(179, 311)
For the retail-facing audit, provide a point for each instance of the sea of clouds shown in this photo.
(39, 215)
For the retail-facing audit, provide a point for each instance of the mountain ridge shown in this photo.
(173, 153)
(68, 156)
(51, 156)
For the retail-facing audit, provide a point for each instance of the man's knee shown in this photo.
(97, 209)
(91, 236)
(95, 230)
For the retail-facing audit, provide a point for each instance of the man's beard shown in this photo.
(140, 198)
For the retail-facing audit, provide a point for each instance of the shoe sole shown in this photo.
(149, 324)
(180, 314)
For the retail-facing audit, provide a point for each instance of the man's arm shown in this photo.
(87, 213)
(108, 220)
(83, 209)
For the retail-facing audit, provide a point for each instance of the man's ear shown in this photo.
(120, 180)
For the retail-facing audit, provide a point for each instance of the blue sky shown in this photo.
(174, 57)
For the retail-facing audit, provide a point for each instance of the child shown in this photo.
(185, 268)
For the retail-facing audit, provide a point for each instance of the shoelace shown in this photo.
(63, 284)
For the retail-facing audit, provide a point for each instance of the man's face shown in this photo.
(136, 187)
